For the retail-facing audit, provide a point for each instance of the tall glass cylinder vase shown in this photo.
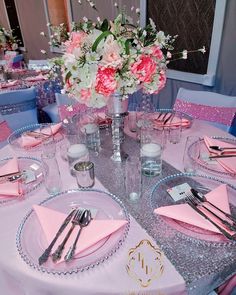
(117, 106)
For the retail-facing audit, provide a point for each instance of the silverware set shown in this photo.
(222, 151)
(166, 117)
(11, 177)
(77, 217)
(197, 201)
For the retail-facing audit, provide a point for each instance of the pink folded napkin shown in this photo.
(40, 77)
(8, 84)
(9, 188)
(229, 164)
(30, 141)
(185, 213)
(175, 121)
(96, 231)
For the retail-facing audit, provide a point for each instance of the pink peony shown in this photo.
(156, 51)
(105, 81)
(76, 39)
(111, 56)
(85, 94)
(144, 68)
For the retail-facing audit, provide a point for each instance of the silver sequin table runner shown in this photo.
(203, 265)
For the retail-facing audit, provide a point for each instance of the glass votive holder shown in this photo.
(84, 172)
(75, 153)
(191, 154)
(133, 179)
(151, 159)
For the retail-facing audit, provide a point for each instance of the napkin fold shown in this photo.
(8, 84)
(172, 122)
(229, 164)
(10, 188)
(40, 77)
(30, 141)
(185, 213)
(51, 220)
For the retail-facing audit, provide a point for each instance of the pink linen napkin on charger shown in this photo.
(40, 77)
(9, 188)
(30, 141)
(228, 164)
(9, 84)
(97, 230)
(185, 213)
(172, 122)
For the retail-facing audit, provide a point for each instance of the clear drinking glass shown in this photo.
(51, 173)
(175, 129)
(92, 136)
(48, 143)
(191, 154)
(132, 117)
(133, 179)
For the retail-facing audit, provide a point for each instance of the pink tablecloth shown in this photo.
(109, 278)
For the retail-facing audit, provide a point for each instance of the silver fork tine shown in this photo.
(75, 221)
(197, 202)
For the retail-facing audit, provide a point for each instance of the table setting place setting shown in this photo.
(82, 227)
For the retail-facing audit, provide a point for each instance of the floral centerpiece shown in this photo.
(7, 40)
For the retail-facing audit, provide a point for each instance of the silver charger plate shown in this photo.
(107, 206)
(25, 163)
(207, 164)
(15, 139)
(204, 184)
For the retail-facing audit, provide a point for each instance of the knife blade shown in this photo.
(221, 156)
(202, 198)
(44, 257)
(225, 233)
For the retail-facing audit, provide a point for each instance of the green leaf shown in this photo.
(104, 25)
(68, 75)
(127, 43)
(99, 39)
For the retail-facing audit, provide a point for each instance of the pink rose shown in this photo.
(76, 39)
(156, 51)
(111, 56)
(85, 94)
(105, 81)
(144, 68)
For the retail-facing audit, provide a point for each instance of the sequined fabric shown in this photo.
(217, 114)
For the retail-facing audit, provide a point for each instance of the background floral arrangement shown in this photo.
(109, 57)
(7, 40)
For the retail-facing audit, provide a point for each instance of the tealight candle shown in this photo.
(77, 152)
(151, 163)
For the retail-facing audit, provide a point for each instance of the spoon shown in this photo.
(220, 149)
(84, 221)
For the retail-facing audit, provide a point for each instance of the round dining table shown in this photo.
(186, 266)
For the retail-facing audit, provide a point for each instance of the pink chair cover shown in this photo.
(223, 115)
(5, 131)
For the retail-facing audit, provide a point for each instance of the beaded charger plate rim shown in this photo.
(93, 256)
(28, 188)
(206, 165)
(179, 230)
(14, 142)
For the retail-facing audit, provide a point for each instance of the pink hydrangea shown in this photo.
(76, 39)
(105, 81)
(144, 68)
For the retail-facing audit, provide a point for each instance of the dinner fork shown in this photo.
(191, 196)
(191, 202)
(75, 221)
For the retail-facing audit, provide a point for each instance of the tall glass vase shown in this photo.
(117, 106)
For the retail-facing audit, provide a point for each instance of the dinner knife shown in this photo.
(225, 233)
(202, 198)
(44, 257)
(221, 156)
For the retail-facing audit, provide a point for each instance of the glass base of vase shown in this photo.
(119, 157)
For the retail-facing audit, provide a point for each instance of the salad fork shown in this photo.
(75, 221)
